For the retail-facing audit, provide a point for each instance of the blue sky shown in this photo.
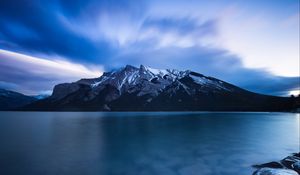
(252, 44)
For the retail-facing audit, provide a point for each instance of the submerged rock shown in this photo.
(296, 166)
(287, 166)
(269, 165)
(290, 160)
(274, 171)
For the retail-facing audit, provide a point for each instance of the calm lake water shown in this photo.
(75, 143)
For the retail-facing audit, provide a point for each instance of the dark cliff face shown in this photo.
(10, 100)
(147, 89)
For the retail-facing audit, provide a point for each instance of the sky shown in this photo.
(252, 44)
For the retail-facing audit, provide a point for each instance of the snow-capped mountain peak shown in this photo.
(156, 72)
(129, 76)
(147, 88)
(144, 81)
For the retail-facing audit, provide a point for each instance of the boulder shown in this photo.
(287, 166)
(269, 165)
(290, 160)
(274, 171)
(296, 166)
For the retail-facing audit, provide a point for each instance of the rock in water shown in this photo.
(269, 165)
(287, 166)
(290, 160)
(274, 171)
(296, 166)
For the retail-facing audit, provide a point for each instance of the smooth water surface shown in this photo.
(63, 143)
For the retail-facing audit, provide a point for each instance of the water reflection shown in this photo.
(144, 143)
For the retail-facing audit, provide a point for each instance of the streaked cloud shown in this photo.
(29, 74)
(212, 62)
(230, 39)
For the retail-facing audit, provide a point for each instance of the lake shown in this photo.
(162, 143)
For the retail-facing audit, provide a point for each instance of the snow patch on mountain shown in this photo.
(199, 80)
(95, 84)
(205, 81)
(150, 81)
(157, 72)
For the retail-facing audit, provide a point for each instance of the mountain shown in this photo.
(10, 100)
(147, 89)
(41, 96)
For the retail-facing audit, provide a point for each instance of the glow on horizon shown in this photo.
(295, 92)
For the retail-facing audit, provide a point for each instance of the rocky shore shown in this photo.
(287, 166)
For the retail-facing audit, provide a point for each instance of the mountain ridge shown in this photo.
(147, 89)
(10, 100)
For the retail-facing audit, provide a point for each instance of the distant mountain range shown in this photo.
(147, 89)
(10, 100)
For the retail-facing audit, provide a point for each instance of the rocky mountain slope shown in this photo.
(147, 89)
(10, 100)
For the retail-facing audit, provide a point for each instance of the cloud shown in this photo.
(114, 33)
(115, 22)
(183, 26)
(30, 74)
(52, 36)
(7, 85)
(212, 62)
(292, 21)
(179, 32)
(125, 31)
